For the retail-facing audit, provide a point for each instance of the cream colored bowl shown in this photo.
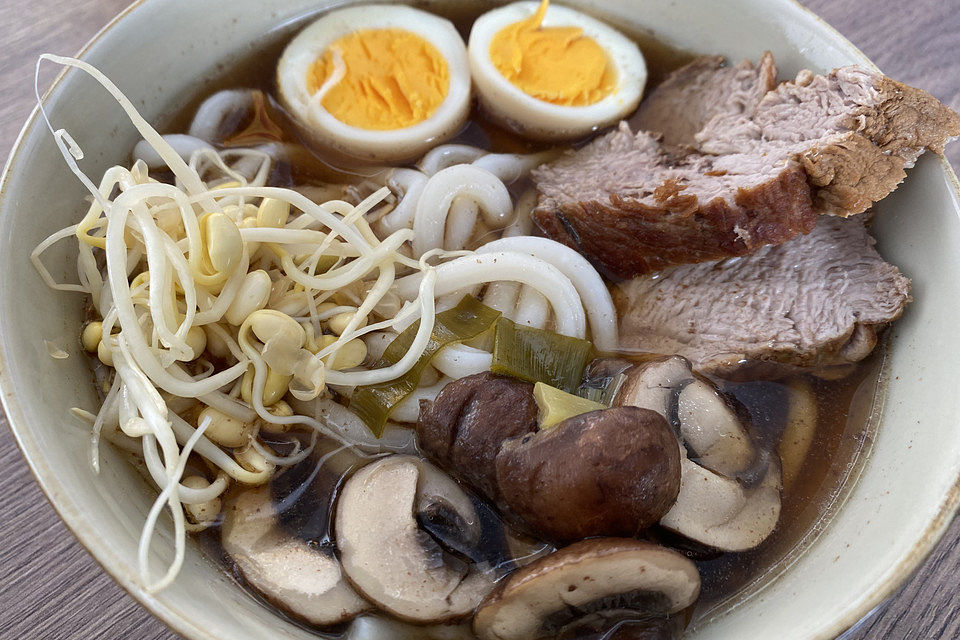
(159, 50)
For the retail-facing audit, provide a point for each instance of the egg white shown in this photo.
(536, 118)
(367, 144)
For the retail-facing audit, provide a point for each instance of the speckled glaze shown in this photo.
(903, 490)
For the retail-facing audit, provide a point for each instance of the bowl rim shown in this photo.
(76, 524)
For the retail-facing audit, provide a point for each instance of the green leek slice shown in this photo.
(538, 355)
(556, 405)
(372, 403)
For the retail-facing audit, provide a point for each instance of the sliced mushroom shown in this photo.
(603, 378)
(861, 343)
(600, 371)
(799, 431)
(786, 413)
(721, 512)
(446, 512)
(715, 506)
(287, 571)
(708, 426)
(712, 431)
(612, 472)
(600, 578)
(462, 429)
(654, 385)
(389, 558)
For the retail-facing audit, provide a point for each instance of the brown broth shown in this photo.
(844, 421)
(844, 406)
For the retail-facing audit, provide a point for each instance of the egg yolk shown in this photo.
(559, 65)
(393, 79)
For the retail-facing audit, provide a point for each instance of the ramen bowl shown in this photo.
(902, 487)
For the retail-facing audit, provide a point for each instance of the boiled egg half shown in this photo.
(377, 82)
(552, 73)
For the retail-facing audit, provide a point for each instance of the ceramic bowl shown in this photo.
(900, 497)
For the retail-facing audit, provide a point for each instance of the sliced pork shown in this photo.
(750, 176)
(814, 302)
(702, 91)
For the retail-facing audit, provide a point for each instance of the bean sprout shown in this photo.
(184, 145)
(193, 272)
(223, 297)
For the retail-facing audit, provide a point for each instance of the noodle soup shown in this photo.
(334, 321)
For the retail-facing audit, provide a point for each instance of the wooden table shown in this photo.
(51, 589)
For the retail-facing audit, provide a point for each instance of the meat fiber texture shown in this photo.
(705, 90)
(815, 302)
(739, 164)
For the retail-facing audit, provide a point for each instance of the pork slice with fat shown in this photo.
(759, 171)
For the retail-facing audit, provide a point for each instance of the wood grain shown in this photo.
(51, 589)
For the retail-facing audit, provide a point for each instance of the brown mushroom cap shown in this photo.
(612, 472)
(462, 429)
(600, 574)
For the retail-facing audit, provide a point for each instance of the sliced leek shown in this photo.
(538, 355)
(372, 403)
(556, 405)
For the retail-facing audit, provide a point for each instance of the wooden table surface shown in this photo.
(51, 589)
